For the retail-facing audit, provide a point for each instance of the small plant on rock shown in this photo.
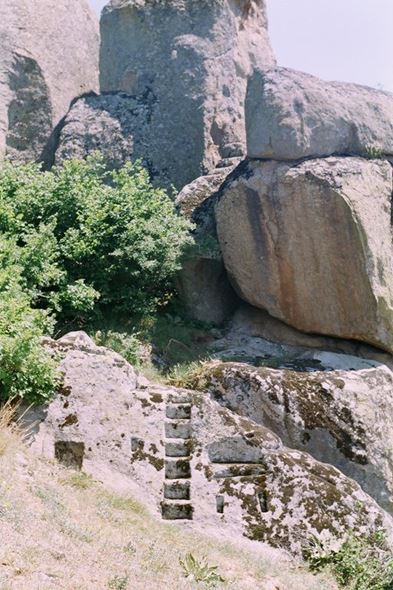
(373, 152)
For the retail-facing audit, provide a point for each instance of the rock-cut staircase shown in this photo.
(176, 504)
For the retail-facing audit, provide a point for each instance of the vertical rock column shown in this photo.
(189, 60)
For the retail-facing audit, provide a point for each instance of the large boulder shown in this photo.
(192, 60)
(341, 417)
(48, 56)
(190, 459)
(292, 115)
(112, 124)
(312, 244)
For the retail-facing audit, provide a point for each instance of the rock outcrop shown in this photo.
(292, 115)
(193, 459)
(48, 56)
(191, 60)
(341, 417)
(311, 243)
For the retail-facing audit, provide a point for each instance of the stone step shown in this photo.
(178, 447)
(176, 510)
(178, 411)
(177, 490)
(222, 470)
(183, 397)
(178, 429)
(178, 468)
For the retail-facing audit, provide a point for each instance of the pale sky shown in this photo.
(350, 40)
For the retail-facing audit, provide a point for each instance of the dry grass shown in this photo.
(11, 435)
(60, 529)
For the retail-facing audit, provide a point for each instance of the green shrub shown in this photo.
(26, 369)
(92, 241)
(78, 243)
(361, 563)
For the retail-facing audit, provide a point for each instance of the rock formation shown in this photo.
(111, 124)
(188, 61)
(341, 417)
(311, 243)
(192, 459)
(292, 115)
(48, 57)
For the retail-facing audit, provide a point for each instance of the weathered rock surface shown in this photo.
(193, 459)
(292, 115)
(250, 324)
(48, 56)
(312, 244)
(192, 59)
(112, 124)
(341, 417)
(203, 283)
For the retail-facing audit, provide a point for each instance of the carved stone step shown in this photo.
(178, 447)
(180, 398)
(238, 470)
(178, 411)
(178, 429)
(177, 490)
(176, 510)
(178, 468)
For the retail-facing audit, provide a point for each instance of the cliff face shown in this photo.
(48, 56)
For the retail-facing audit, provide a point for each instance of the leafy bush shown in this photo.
(77, 243)
(26, 369)
(359, 564)
(92, 240)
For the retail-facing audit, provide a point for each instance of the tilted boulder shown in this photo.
(341, 417)
(292, 115)
(191, 58)
(48, 56)
(312, 244)
(189, 458)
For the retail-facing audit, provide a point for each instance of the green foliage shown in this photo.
(92, 240)
(359, 564)
(200, 571)
(76, 244)
(118, 583)
(26, 369)
(373, 152)
(129, 346)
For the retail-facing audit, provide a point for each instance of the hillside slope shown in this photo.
(61, 529)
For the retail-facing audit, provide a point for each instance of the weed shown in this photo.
(361, 563)
(200, 570)
(373, 152)
(118, 583)
(78, 480)
(187, 375)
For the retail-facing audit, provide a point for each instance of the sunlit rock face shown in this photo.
(190, 59)
(311, 243)
(48, 57)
